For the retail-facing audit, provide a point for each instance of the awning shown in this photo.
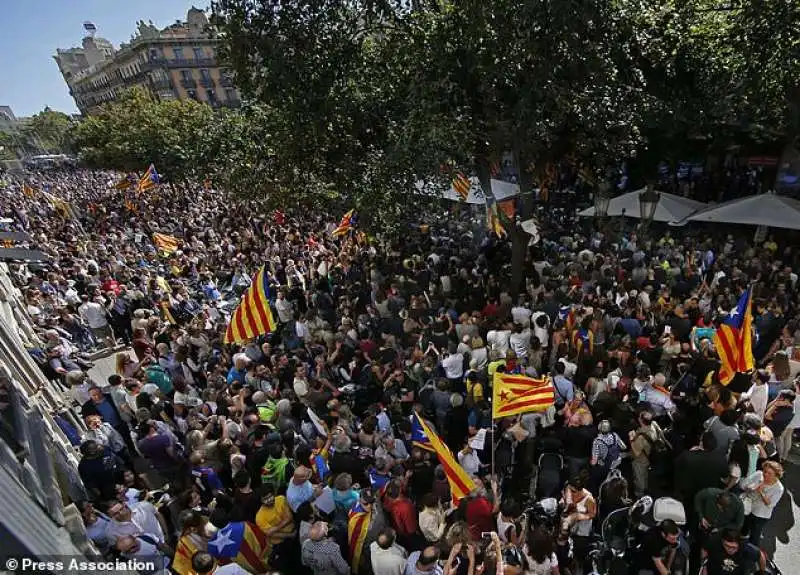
(762, 210)
(670, 207)
(21, 254)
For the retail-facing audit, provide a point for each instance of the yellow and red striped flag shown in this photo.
(512, 394)
(460, 482)
(358, 520)
(734, 340)
(347, 224)
(462, 185)
(253, 316)
(182, 561)
(166, 243)
(149, 180)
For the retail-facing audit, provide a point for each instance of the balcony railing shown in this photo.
(207, 82)
(226, 82)
(184, 62)
(233, 103)
(188, 82)
(161, 83)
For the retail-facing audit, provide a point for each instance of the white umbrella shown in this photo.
(762, 210)
(531, 227)
(670, 207)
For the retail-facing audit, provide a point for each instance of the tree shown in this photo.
(138, 130)
(369, 97)
(50, 131)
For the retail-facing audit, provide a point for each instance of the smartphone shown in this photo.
(667, 329)
(486, 534)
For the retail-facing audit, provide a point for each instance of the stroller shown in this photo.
(548, 480)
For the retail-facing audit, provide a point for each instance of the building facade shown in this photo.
(39, 480)
(176, 62)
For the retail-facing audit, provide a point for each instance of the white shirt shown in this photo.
(499, 341)
(94, 314)
(230, 569)
(470, 462)
(759, 397)
(521, 315)
(285, 310)
(300, 387)
(520, 343)
(391, 561)
(772, 492)
(453, 366)
(541, 333)
(143, 520)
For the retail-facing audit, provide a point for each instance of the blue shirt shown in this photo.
(236, 375)
(565, 391)
(108, 412)
(296, 495)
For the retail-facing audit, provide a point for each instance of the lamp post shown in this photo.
(601, 200)
(648, 203)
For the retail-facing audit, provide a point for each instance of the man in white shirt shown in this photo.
(388, 558)
(94, 314)
(140, 519)
(284, 308)
(541, 324)
(469, 460)
(453, 365)
(520, 341)
(498, 340)
(520, 313)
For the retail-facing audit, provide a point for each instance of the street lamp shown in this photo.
(648, 203)
(601, 200)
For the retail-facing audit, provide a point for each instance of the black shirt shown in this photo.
(654, 545)
(720, 562)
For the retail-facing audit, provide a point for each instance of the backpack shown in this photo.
(613, 452)
(158, 376)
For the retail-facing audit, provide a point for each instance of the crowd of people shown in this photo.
(301, 449)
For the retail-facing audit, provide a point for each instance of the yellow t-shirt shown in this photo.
(492, 367)
(271, 517)
(477, 394)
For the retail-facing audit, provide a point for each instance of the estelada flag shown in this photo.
(253, 316)
(358, 520)
(460, 482)
(243, 543)
(182, 561)
(149, 180)
(512, 394)
(462, 186)
(347, 224)
(165, 242)
(734, 340)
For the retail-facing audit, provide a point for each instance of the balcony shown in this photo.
(207, 82)
(161, 83)
(226, 82)
(184, 62)
(188, 83)
(233, 103)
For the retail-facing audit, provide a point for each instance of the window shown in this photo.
(178, 53)
(230, 94)
(199, 53)
(211, 97)
(186, 75)
(154, 54)
(205, 74)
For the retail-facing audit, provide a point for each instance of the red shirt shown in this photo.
(479, 517)
(110, 285)
(403, 514)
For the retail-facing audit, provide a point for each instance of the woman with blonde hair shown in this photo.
(764, 490)
(126, 367)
